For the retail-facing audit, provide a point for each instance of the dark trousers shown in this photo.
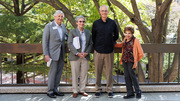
(130, 78)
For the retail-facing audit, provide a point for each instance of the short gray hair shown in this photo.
(58, 12)
(104, 6)
(80, 16)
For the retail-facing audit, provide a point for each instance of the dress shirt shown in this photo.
(104, 35)
(59, 28)
(83, 40)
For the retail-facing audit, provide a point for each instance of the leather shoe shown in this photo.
(75, 95)
(51, 95)
(110, 95)
(59, 93)
(83, 93)
(97, 94)
(129, 96)
(138, 95)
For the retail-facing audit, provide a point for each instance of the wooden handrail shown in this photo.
(37, 48)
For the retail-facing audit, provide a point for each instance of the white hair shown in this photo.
(104, 6)
(58, 12)
(80, 16)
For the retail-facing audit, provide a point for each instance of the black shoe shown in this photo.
(110, 95)
(59, 93)
(51, 95)
(138, 95)
(97, 94)
(128, 96)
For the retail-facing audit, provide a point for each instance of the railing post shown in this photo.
(138, 63)
(149, 64)
(1, 67)
(12, 68)
(23, 66)
(118, 67)
(66, 67)
(158, 65)
(169, 56)
(44, 71)
(34, 68)
(178, 66)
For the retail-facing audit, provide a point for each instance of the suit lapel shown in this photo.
(63, 33)
(78, 33)
(56, 30)
(86, 34)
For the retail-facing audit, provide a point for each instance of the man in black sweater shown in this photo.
(104, 36)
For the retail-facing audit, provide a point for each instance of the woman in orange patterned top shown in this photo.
(131, 53)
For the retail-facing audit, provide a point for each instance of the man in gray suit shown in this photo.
(79, 56)
(54, 48)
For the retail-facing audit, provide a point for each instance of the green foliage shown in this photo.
(29, 28)
(19, 29)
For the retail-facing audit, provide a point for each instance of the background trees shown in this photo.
(22, 21)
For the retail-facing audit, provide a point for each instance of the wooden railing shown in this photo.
(34, 70)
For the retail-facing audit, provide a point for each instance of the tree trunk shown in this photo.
(156, 67)
(172, 73)
(19, 72)
(19, 77)
(141, 76)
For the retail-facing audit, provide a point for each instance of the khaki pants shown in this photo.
(100, 61)
(79, 68)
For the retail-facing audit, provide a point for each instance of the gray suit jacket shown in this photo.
(74, 33)
(52, 44)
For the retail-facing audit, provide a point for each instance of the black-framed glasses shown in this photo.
(81, 21)
(104, 11)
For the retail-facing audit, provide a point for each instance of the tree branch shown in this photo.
(50, 3)
(158, 2)
(16, 7)
(31, 6)
(144, 36)
(172, 73)
(135, 9)
(165, 5)
(143, 28)
(178, 33)
(2, 3)
(22, 6)
(166, 19)
(96, 2)
(6, 6)
(116, 20)
(59, 6)
(159, 20)
(123, 8)
(68, 13)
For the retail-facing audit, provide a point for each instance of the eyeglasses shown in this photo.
(81, 21)
(104, 11)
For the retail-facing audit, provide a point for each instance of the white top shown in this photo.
(59, 28)
(83, 39)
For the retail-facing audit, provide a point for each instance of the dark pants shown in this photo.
(130, 78)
